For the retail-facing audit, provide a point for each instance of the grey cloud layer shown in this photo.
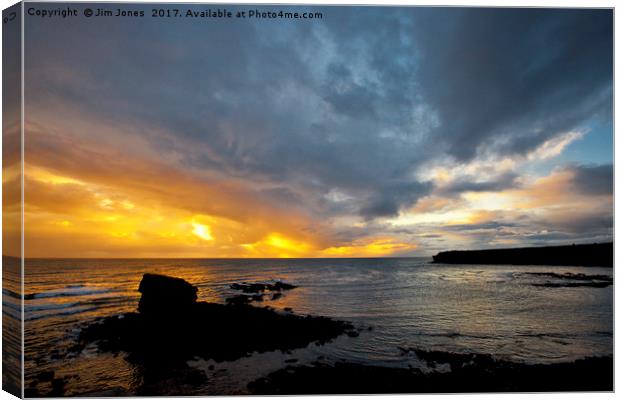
(510, 79)
(594, 179)
(354, 103)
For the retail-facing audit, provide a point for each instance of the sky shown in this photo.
(369, 132)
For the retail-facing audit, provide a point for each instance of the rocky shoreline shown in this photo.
(587, 255)
(171, 330)
(573, 280)
(467, 373)
(171, 324)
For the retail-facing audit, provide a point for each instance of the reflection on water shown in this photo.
(405, 303)
(11, 325)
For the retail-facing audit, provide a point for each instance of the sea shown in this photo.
(518, 313)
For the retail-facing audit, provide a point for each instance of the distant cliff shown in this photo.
(591, 255)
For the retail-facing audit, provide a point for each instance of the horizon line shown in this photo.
(212, 258)
(298, 258)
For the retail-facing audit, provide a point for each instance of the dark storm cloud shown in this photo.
(592, 222)
(268, 104)
(502, 182)
(510, 79)
(542, 237)
(491, 225)
(594, 180)
(353, 103)
(346, 96)
(389, 198)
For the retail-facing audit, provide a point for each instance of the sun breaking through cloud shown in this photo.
(379, 132)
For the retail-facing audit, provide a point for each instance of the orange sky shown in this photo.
(329, 139)
(93, 201)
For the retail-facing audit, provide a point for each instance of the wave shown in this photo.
(453, 334)
(10, 293)
(68, 291)
(65, 313)
(49, 306)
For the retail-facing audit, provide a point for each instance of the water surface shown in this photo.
(400, 303)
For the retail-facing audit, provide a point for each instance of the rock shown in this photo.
(262, 287)
(478, 374)
(249, 287)
(58, 387)
(283, 286)
(238, 300)
(244, 299)
(172, 325)
(165, 295)
(257, 291)
(45, 376)
(597, 254)
(573, 280)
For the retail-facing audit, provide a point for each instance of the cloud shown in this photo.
(572, 204)
(469, 184)
(511, 79)
(256, 109)
(322, 132)
(554, 146)
(594, 179)
(490, 172)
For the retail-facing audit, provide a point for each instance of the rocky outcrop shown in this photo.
(171, 324)
(572, 280)
(468, 373)
(165, 295)
(259, 291)
(587, 255)
(278, 286)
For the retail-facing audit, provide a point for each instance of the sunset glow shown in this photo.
(202, 231)
(353, 152)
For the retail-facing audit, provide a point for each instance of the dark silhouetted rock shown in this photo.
(58, 387)
(573, 284)
(45, 376)
(262, 287)
(573, 280)
(572, 276)
(244, 299)
(587, 255)
(257, 291)
(165, 295)
(468, 373)
(283, 286)
(209, 330)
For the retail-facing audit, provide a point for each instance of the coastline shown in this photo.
(468, 373)
(584, 255)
